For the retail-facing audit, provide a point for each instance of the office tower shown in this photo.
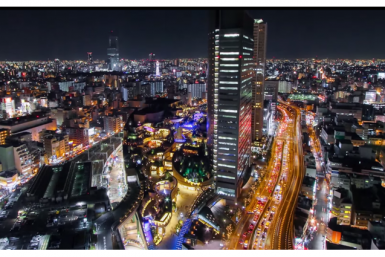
(89, 57)
(7, 107)
(260, 36)
(57, 65)
(151, 56)
(113, 52)
(157, 69)
(229, 98)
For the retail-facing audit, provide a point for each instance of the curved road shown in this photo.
(281, 232)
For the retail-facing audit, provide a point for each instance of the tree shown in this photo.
(238, 213)
(229, 230)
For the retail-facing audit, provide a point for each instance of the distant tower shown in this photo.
(57, 63)
(150, 56)
(89, 55)
(113, 52)
(157, 69)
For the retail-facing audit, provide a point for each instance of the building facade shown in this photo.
(260, 38)
(230, 99)
(4, 133)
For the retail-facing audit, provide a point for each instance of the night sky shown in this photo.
(68, 34)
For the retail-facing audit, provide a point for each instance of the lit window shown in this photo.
(227, 166)
(231, 35)
(228, 88)
(229, 59)
(229, 53)
(224, 110)
(230, 65)
(229, 82)
(227, 138)
(246, 48)
(228, 71)
(228, 177)
(225, 143)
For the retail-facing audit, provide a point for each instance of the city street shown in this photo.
(280, 234)
(273, 168)
(321, 208)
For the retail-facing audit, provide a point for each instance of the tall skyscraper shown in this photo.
(231, 73)
(89, 57)
(260, 37)
(113, 52)
(151, 56)
(157, 69)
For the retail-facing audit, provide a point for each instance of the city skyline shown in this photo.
(293, 33)
(232, 151)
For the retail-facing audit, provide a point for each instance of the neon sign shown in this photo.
(149, 129)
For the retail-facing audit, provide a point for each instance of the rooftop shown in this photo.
(8, 173)
(23, 119)
(308, 181)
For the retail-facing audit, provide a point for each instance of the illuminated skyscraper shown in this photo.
(230, 80)
(260, 36)
(157, 69)
(113, 52)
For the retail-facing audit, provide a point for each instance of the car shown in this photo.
(244, 235)
(246, 244)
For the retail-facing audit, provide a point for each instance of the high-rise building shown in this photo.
(230, 80)
(113, 52)
(56, 145)
(78, 136)
(157, 69)
(151, 56)
(86, 100)
(113, 124)
(260, 37)
(271, 90)
(7, 107)
(89, 57)
(23, 159)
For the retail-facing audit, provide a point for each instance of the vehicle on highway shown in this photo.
(246, 244)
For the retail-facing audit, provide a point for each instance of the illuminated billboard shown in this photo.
(91, 131)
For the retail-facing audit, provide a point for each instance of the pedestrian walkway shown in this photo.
(183, 231)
